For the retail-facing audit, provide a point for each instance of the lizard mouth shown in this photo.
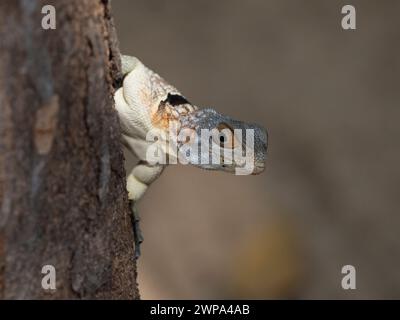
(259, 168)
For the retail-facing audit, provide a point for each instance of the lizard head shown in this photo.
(224, 144)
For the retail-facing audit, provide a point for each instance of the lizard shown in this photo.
(144, 102)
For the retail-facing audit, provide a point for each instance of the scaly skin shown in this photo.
(147, 102)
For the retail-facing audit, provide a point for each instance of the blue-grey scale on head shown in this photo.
(232, 136)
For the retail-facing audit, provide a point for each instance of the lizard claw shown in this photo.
(137, 232)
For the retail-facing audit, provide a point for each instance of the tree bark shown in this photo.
(62, 181)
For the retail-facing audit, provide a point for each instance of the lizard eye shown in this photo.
(226, 136)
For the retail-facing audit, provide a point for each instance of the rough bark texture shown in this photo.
(62, 181)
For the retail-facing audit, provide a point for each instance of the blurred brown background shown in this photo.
(330, 195)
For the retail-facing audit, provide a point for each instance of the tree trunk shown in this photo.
(62, 181)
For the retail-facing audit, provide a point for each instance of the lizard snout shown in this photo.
(260, 150)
